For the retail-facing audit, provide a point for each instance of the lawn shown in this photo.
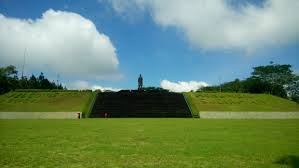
(42, 101)
(149, 143)
(202, 101)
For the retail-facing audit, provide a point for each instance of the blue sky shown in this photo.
(158, 48)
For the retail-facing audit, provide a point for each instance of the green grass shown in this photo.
(88, 106)
(149, 143)
(240, 102)
(191, 105)
(45, 101)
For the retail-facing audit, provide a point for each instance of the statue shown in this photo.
(140, 82)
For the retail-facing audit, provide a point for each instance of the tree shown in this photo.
(33, 82)
(9, 81)
(154, 89)
(24, 83)
(293, 90)
(41, 76)
(274, 79)
(60, 87)
(278, 76)
(237, 85)
(45, 84)
(233, 86)
(8, 76)
(8, 71)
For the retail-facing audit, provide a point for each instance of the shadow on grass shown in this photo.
(290, 160)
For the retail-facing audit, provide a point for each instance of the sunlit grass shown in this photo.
(44, 101)
(240, 102)
(147, 143)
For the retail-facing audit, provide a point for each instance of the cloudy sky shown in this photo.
(179, 45)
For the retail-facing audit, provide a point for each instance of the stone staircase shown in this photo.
(140, 104)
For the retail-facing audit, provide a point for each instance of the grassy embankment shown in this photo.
(45, 101)
(149, 143)
(239, 102)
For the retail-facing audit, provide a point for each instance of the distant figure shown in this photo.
(140, 82)
(106, 115)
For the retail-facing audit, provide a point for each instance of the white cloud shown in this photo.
(216, 24)
(61, 42)
(182, 86)
(83, 85)
(123, 6)
(79, 85)
(102, 88)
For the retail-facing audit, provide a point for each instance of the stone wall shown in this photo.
(39, 115)
(248, 115)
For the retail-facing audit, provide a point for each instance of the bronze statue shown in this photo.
(140, 82)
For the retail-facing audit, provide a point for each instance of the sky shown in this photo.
(180, 45)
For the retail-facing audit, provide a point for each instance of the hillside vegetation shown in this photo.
(45, 101)
(203, 101)
(275, 79)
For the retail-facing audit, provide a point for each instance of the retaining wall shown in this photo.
(39, 115)
(248, 115)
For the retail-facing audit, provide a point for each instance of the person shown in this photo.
(140, 82)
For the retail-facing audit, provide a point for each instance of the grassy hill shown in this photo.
(43, 101)
(202, 101)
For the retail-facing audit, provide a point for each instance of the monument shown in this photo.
(146, 102)
(140, 82)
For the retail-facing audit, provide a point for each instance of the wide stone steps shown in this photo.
(140, 104)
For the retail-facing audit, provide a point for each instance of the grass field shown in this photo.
(149, 143)
(45, 101)
(239, 102)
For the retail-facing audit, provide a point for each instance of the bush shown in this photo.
(295, 98)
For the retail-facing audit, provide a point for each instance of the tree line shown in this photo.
(9, 80)
(275, 79)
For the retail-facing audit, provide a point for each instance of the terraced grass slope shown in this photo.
(201, 101)
(45, 101)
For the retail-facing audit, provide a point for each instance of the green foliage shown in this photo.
(293, 90)
(10, 81)
(43, 101)
(155, 89)
(277, 76)
(207, 101)
(8, 71)
(151, 143)
(274, 74)
(275, 79)
(8, 78)
(295, 98)
(289, 160)
(250, 85)
(255, 85)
